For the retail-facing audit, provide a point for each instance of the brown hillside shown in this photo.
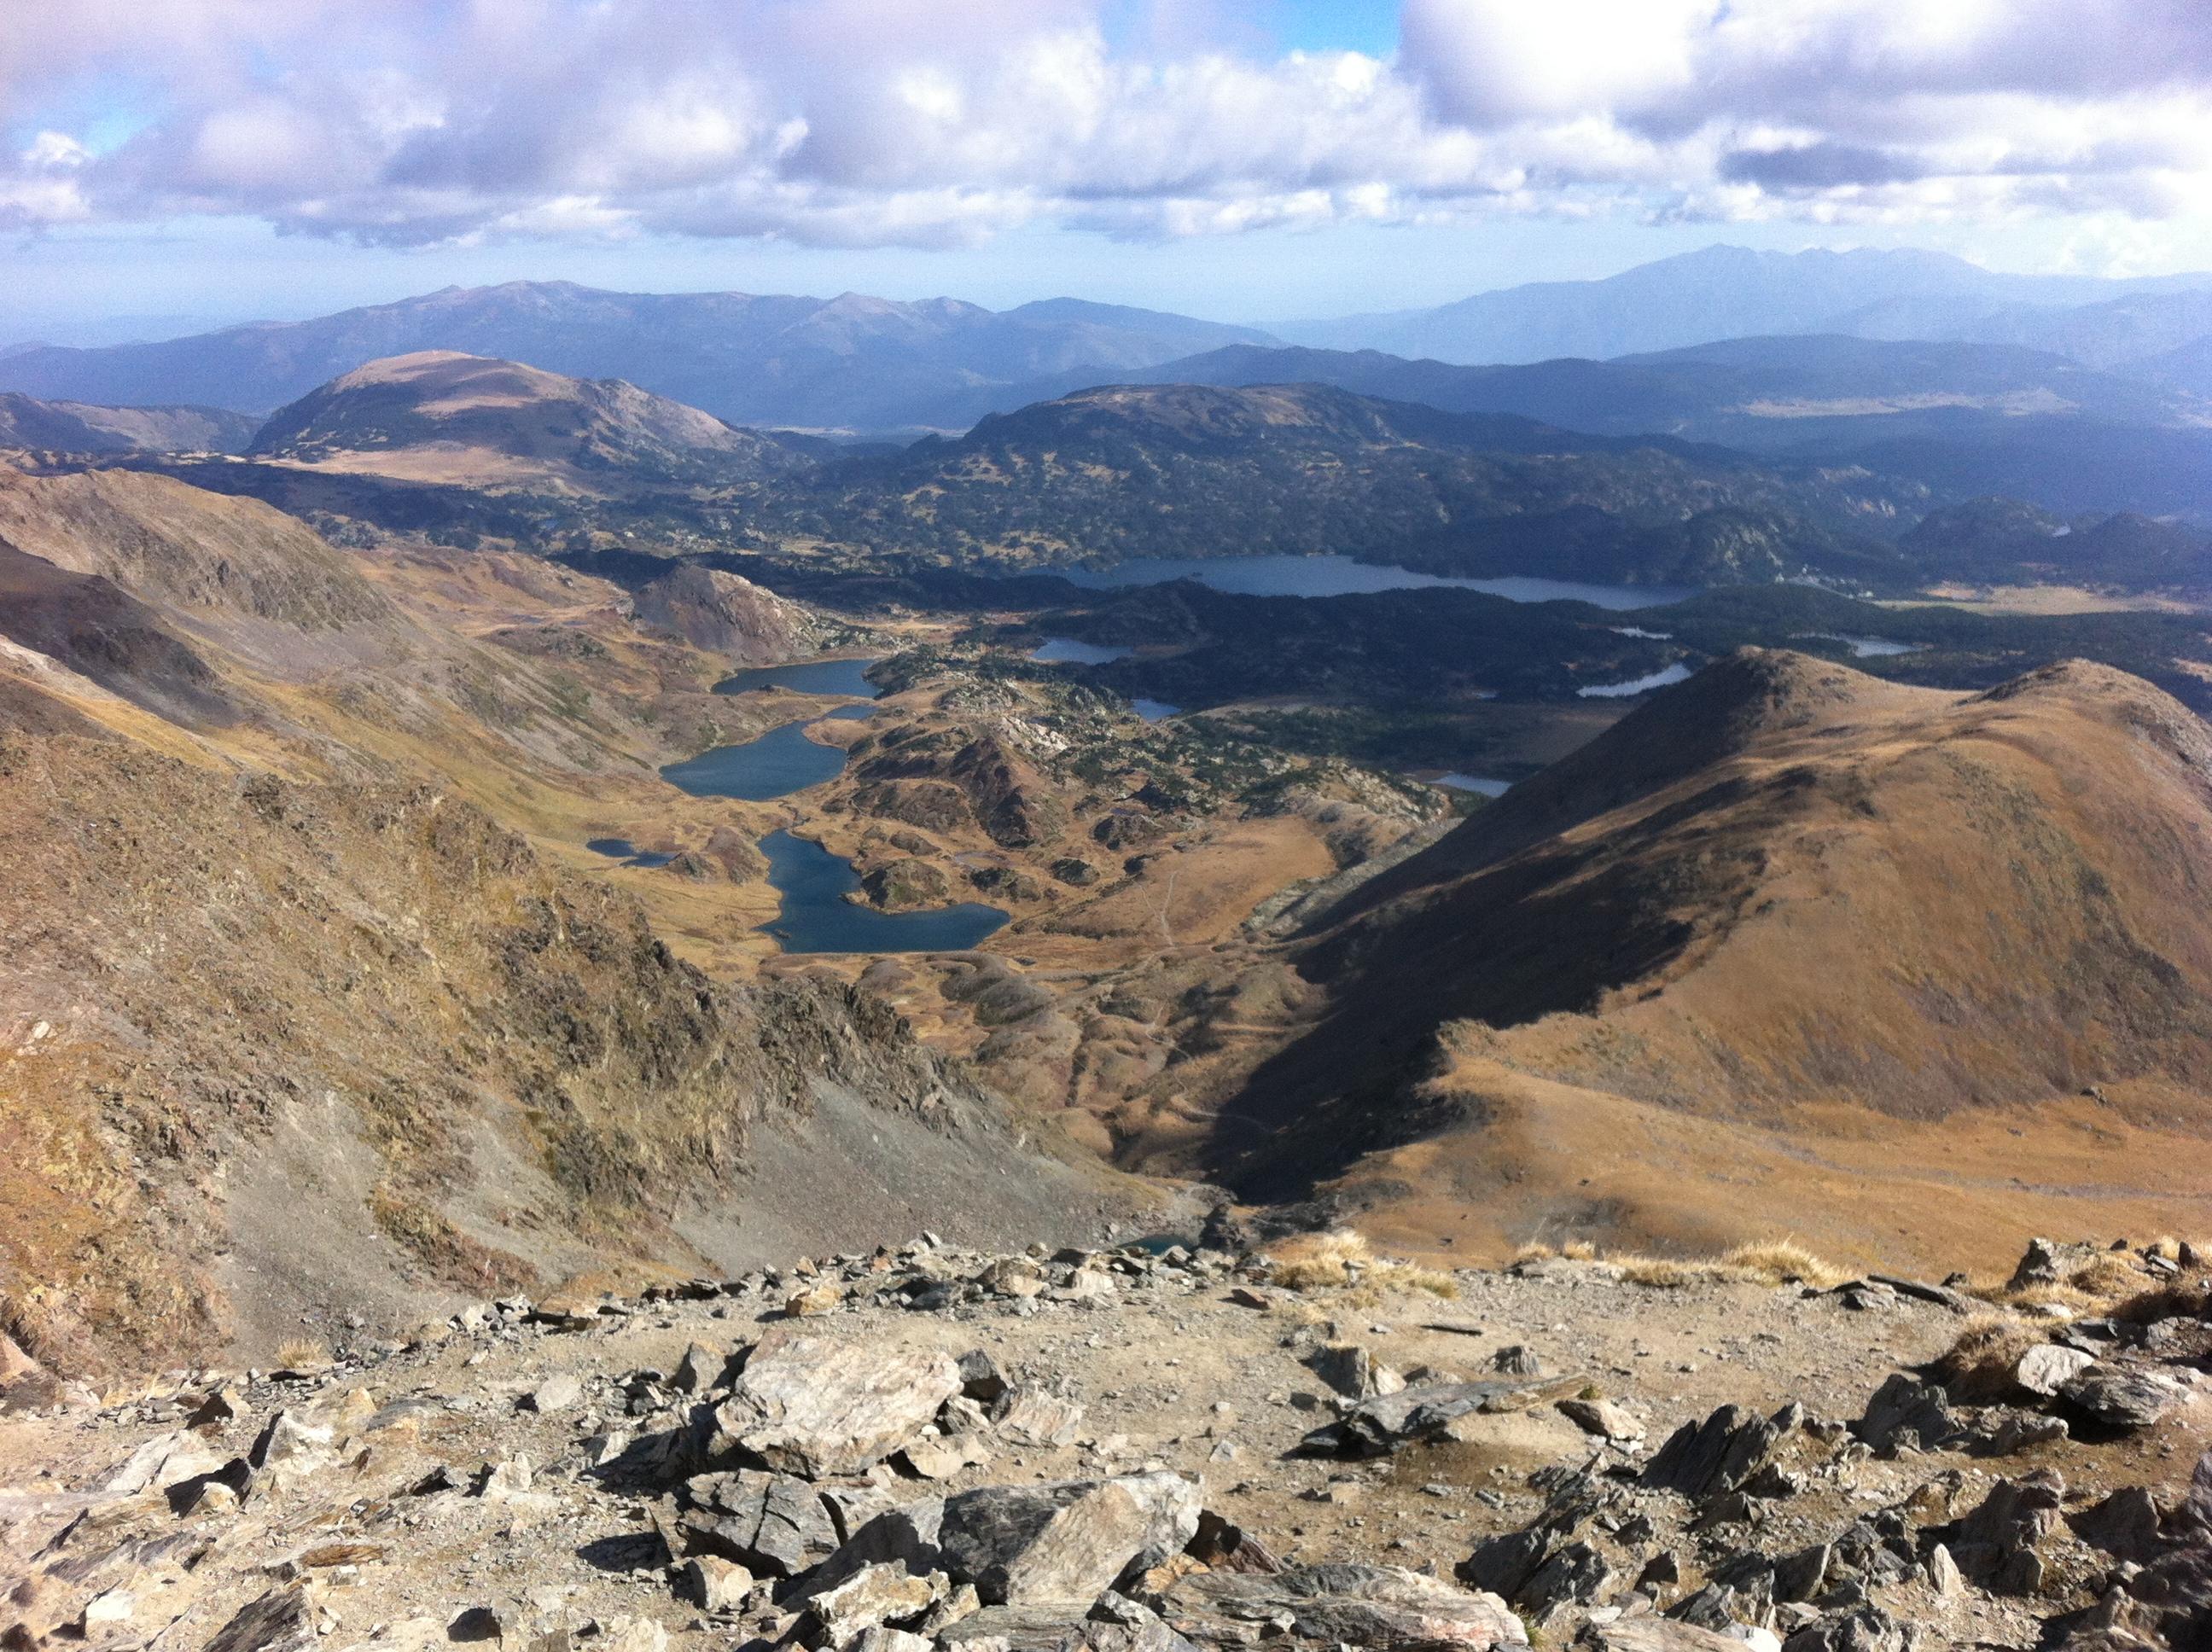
(296, 1021)
(1780, 902)
(443, 417)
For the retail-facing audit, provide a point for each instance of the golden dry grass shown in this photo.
(1769, 1262)
(1979, 1364)
(1342, 1262)
(2113, 1274)
(302, 1353)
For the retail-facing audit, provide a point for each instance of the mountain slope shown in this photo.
(438, 416)
(1716, 293)
(1190, 470)
(1784, 906)
(291, 1020)
(1960, 417)
(79, 428)
(847, 362)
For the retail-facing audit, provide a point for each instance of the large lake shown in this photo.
(816, 917)
(780, 761)
(807, 677)
(1340, 576)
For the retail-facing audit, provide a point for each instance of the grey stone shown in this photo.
(283, 1620)
(2129, 1397)
(1717, 1455)
(1026, 1544)
(812, 1406)
(2045, 1367)
(775, 1524)
(1338, 1605)
(1905, 1411)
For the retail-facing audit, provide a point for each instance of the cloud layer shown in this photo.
(880, 122)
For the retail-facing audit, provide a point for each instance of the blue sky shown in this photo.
(205, 162)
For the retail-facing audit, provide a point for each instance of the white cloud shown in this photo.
(881, 122)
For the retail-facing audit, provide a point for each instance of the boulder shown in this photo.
(1383, 1424)
(1344, 1605)
(776, 1525)
(712, 1583)
(1037, 1418)
(1064, 1542)
(872, 1597)
(1351, 1370)
(1602, 1419)
(1717, 1455)
(2127, 1396)
(812, 1406)
(702, 1370)
(2046, 1367)
(1996, 1545)
(1649, 1634)
(1905, 1411)
(556, 1393)
(166, 1460)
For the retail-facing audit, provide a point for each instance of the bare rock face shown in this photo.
(1345, 1605)
(813, 1407)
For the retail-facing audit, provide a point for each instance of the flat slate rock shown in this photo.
(1379, 1425)
(1339, 1605)
(2125, 1396)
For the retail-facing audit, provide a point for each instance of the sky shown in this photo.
(168, 165)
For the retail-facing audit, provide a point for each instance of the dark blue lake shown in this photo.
(1152, 710)
(1340, 576)
(816, 917)
(1067, 651)
(780, 761)
(807, 677)
(622, 849)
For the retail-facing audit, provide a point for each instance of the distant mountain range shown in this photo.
(851, 364)
(1733, 291)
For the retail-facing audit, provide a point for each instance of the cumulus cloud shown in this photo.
(867, 122)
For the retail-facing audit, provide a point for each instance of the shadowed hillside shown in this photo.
(1783, 897)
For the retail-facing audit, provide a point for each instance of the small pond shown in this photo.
(816, 917)
(781, 762)
(1067, 651)
(622, 849)
(806, 677)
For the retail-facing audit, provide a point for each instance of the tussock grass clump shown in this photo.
(2110, 1275)
(1979, 1364)
(1343, 1262)
(1772, 1262)
(302, 1353)
(1783, 1261)
(1313, 1261)
(2166, 1302)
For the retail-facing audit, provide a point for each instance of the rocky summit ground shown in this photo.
(1201, 1448)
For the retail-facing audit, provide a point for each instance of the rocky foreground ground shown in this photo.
(934, 1450)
